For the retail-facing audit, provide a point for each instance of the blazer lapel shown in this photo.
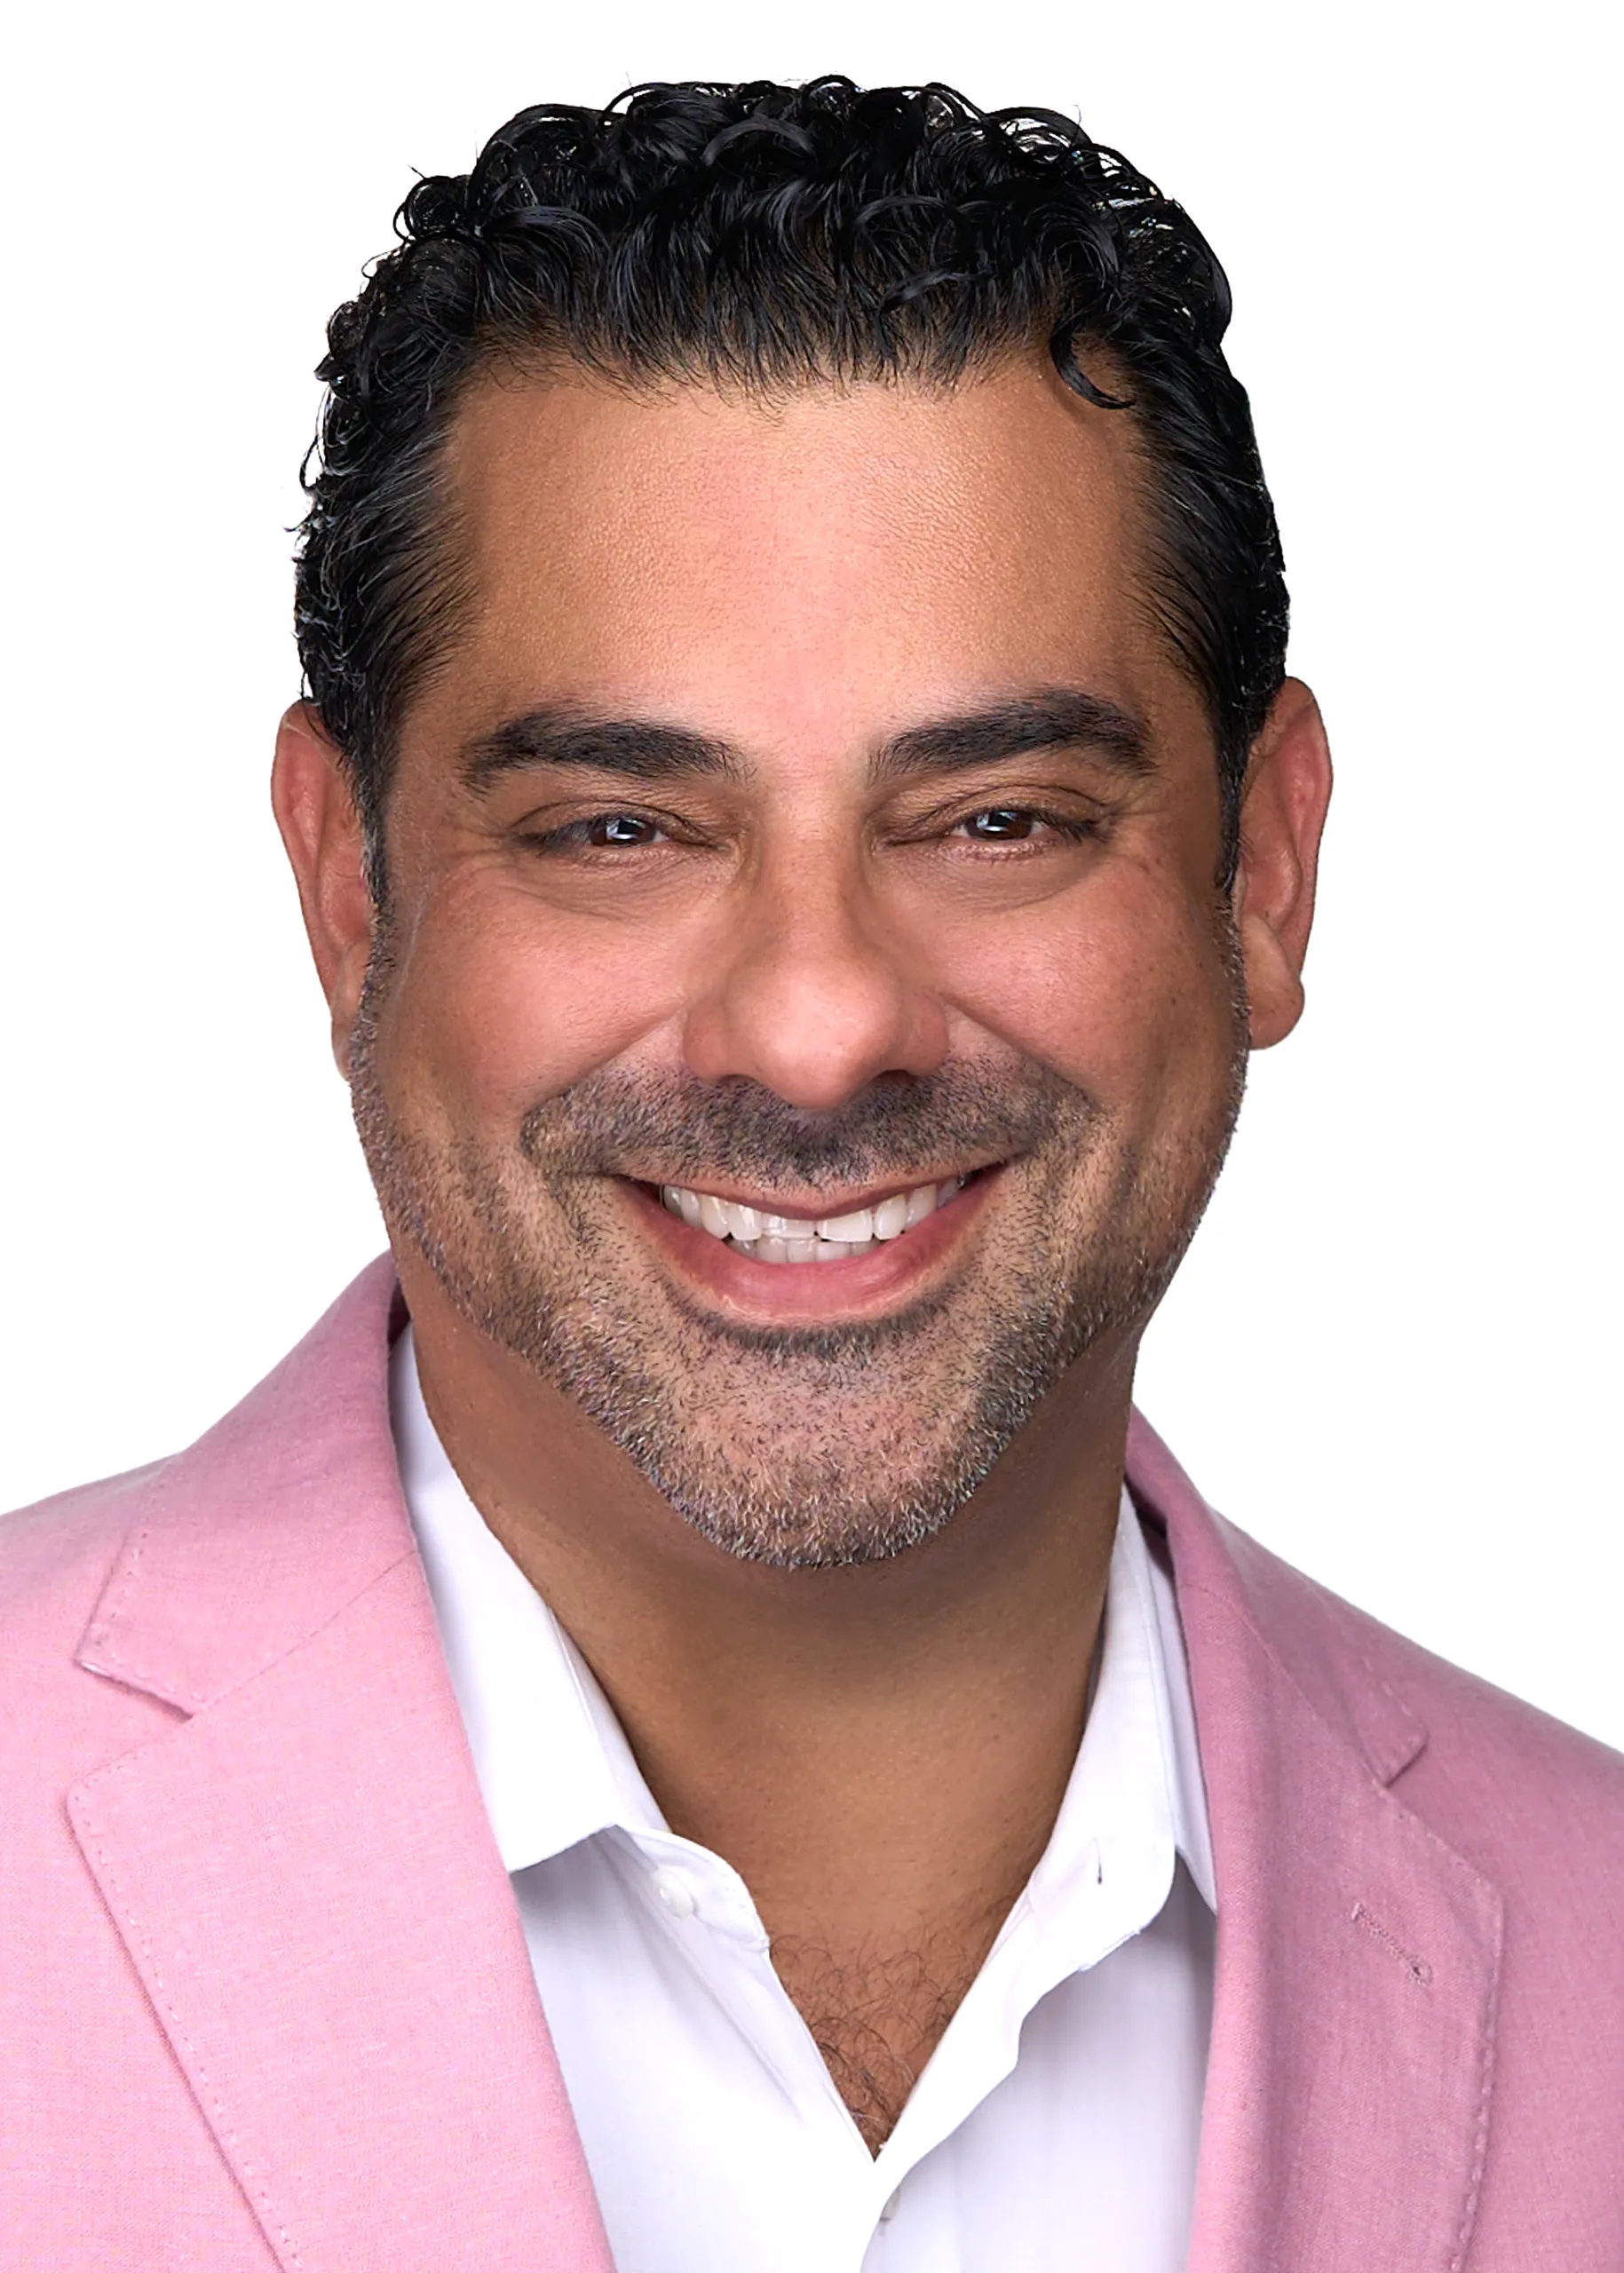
(302, 1870)
(1347, 2106)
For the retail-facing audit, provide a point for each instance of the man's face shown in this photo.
(811, 822)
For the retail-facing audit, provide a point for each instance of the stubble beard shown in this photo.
(806, 1446)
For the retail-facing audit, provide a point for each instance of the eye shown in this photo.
(618, 828)
(606, 832)
(1000, 824)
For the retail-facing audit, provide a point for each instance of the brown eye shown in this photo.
(997, 824)
(621, 829)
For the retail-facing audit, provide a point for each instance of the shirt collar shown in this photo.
(554, 1766)
(1135, 1797)
(552, 1762)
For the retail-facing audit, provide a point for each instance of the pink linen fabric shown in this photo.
(265, 2002)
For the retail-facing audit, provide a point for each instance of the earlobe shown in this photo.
(1283, 808)
(322, 833)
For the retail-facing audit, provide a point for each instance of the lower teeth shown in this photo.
(813, 1250)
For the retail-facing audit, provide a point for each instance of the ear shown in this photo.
(320, 829)
(1283, 806)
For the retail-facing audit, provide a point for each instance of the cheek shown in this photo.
(496, 1005)
(1122, 987)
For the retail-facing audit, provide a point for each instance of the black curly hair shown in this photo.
(767, 235)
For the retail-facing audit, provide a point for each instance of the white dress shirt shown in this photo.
(1056, 2124)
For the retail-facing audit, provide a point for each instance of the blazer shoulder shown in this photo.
(1459, 1750)
(329, 1394)
(57, 1554)
(1491, 1772)
(57, 1722)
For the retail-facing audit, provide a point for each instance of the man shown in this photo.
(688, 1725)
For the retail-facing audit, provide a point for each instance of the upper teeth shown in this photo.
(800, 1239)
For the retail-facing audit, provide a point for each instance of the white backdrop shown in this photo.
(1391, 1354)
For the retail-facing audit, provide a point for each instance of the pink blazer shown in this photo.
(265, 2002)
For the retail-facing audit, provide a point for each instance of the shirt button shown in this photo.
(890, 2211)
(673, 1892)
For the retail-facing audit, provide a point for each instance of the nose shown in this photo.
(814, 996)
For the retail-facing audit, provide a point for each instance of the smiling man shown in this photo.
(688, 1726)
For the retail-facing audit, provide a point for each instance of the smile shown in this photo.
(770, 1238)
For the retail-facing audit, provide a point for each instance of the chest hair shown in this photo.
(878, 2013)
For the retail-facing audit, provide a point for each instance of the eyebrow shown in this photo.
(638, 749)
(643, 749)
(1061, 718)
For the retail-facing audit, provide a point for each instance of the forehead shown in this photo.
(752, 565)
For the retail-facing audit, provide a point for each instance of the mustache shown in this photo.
(678, 1128)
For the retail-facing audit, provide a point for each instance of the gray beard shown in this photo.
(806, 1446)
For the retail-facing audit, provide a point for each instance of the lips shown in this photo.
(873, 1277)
